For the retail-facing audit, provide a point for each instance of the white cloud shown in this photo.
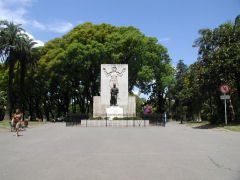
(16, 16)
(39, 42)
(60, 27)
(17, 2)
(164, 39)
(38, 25)
(15, 10)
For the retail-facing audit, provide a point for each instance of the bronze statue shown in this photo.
(114, 92)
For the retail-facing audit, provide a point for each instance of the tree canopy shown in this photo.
(15, 48)
(218, 63)
(64, 74)
(68, 73)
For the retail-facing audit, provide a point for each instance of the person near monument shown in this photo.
(114, 92)
(165, 119)
(16, 120)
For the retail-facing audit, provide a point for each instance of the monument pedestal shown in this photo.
(114, 111)
(114, 74)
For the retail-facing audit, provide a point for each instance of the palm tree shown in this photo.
(26, 60)
(12, 40)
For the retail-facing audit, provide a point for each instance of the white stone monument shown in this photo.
(114, 74)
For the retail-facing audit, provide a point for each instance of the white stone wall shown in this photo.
(101, 103)
(97, 106)
(122, 84)
(131, 106)
(114, 123)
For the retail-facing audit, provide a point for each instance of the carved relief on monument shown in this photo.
(114, 74)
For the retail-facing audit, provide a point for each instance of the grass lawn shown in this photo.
(207, 125)
(34, 123)
(196, 124)
(5, 124)
(230, 127)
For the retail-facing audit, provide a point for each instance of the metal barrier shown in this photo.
(142, 120)
(74, 119)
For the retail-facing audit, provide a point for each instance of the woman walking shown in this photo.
(16, 120)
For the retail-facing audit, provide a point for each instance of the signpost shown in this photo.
(225, 97)
(225, 89)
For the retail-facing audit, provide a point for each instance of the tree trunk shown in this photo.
(31, 108)
(9, 93)
(46, 111)
(38, 110)
(52, 114)
(169, 108)
(211, 109)
(199, 117)
(22, 92)
(233, 112)
(73, 108)
(237, 84)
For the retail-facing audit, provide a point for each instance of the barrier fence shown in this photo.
(141, 120)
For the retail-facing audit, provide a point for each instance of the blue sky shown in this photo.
(175, 23)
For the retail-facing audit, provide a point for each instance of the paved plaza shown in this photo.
(56, 152)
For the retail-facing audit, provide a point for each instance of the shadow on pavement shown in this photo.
(207, 126)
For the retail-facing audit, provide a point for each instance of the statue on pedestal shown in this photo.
(114, 93)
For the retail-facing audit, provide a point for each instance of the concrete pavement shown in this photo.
(53, 151)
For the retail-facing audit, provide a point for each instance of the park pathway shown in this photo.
(174, 152)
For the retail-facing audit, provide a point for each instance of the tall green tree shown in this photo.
(11, 43)
(72, 64)
(68, 68)
(219, 56)
(15, 47)
(180, 89)
(26, 61)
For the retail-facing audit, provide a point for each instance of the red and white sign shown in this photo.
(224, 89)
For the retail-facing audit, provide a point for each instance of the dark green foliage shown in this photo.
(197, 88)
(15, 48)
(68, 73)
(128, 118)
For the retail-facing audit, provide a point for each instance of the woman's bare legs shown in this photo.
(17, 128)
